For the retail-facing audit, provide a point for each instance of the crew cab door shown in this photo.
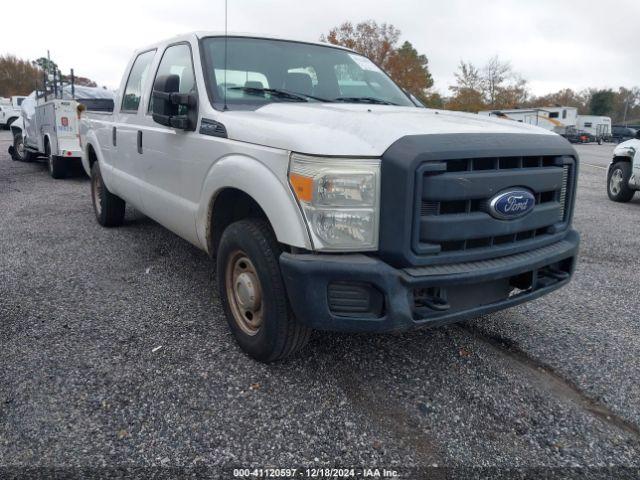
(170, 188)
(125, 136)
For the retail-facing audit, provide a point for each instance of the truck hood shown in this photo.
(354, 129)
(623, 148)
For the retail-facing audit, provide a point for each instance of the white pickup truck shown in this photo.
(10, 110)
(623, 175)
(329, 200)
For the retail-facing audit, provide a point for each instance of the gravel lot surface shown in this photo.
(115, 352)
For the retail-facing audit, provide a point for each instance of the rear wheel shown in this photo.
(253, 293)
(109, 208)
(57, 165)
(618, 182)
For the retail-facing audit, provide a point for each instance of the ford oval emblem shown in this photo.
(512, 204)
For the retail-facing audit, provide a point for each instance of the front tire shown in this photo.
(618, 182)
(253, 294)
(20, 153)
(108, 208)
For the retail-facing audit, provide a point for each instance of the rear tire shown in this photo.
(253, 294)
(618, 182)
(57, 165)
(108, 208)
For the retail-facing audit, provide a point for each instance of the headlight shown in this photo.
(340, 199)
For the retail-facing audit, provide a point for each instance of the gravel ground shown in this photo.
(83, 310)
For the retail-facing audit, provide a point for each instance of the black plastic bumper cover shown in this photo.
(307, 277)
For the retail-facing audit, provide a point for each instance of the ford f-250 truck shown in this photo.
(329, 200)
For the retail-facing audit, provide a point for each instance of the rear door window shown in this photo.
(136, 82)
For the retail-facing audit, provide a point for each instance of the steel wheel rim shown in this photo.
(615, 184)
(244, 292)
(20, 148)
(97, 194)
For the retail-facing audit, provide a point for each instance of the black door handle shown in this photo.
(139, 141)
(113, 136)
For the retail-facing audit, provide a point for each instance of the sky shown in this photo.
(553, 44)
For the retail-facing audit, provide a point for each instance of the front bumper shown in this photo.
(331, 292)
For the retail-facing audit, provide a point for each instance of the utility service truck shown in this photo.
(329, 200)
(48, 125)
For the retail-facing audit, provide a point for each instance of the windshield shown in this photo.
(260, 71)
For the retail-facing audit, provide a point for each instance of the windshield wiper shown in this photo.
(377, 101)
(276, 92)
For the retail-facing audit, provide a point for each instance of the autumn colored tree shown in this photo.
(468, 90)
(368, 38)
(410, 70)
(51, 66)
(17, 76)
(494, 75)
(566, 97)
(495, 85)
(404, 64)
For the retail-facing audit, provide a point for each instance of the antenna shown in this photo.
(225, 55)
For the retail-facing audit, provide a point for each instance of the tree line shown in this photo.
(494, 85)
(21, 77)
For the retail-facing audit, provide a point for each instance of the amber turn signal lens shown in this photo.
(302, 186)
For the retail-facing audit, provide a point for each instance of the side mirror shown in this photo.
(168, 106)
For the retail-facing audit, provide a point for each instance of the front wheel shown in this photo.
(253, 294)
(20, 153)
(618, 182)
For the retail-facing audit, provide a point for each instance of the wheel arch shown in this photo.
(90, 153)
(46, 141)
(263, 193)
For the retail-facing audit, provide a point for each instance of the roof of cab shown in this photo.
(202, 34)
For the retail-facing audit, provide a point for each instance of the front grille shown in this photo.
(453, 203)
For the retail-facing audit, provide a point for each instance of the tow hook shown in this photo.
(433, 298)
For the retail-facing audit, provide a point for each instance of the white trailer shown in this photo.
(598, 126)
(555, 119)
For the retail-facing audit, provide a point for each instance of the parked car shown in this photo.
(623, 175)
(577, 136)
(621, 134)
(329, 200)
